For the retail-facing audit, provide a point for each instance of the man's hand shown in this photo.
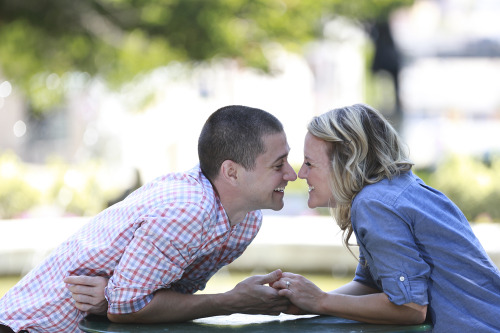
(88, 293)
(253, 296)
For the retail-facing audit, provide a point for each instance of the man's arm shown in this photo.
(251, 296)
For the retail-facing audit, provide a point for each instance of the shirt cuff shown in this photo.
(402, 289)
(126, 300)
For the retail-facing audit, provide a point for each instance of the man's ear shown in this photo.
(229, 171)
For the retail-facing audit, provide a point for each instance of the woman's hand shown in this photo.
(305, 295)
(88, 293)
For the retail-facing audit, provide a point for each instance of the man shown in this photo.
(165, 240)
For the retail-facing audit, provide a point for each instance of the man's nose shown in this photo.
(290, 175)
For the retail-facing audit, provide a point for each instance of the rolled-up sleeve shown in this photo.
(363, 274)
(387, 243)
(156, 257)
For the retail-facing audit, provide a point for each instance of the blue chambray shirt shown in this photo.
(420, 248)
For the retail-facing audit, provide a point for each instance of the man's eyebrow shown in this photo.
(281, 157)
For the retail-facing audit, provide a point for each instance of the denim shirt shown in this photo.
(417, 247)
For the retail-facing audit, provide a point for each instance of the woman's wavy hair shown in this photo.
(364, 148)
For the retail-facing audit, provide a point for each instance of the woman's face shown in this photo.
(316, 170)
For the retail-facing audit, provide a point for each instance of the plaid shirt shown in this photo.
(171, 233)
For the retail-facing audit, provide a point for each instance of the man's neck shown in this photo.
(229, 201)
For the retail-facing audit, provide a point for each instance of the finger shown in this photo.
(269, 278)
(78, 289)
(285, 293)
(82, 306)
(282, 284)
(287, 275)
(84, 299)
(275, 285)
(81, 280)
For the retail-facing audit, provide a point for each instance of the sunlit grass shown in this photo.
(220, 282)
(7, 282)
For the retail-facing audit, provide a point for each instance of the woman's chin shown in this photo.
(311, 204)
(315, 204)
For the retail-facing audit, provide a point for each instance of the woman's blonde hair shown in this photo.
(364, 149)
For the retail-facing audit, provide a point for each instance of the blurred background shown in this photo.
(99, 96)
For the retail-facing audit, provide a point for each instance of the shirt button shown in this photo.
(401, 278)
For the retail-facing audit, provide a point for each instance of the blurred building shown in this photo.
(449, 80)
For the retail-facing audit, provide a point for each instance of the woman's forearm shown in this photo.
(373, 308)
(354, 288)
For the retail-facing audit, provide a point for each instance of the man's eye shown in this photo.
(277, 167)
(307, 163)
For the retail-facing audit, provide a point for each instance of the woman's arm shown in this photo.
(352, 301)
(371, 308)
(354, 288)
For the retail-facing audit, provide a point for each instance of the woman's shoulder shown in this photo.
(386, 189)
(396, 183)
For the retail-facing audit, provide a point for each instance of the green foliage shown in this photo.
(375, 10)
(473, 185)
(119, 39)
(76, 189)
(73, 190)
(16, 194)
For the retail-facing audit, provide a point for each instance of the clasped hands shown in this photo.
(259, 294)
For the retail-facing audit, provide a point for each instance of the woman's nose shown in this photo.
(302, 172)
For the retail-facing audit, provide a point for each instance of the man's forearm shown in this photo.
(251, 295)
(170, 306)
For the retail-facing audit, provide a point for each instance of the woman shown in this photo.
(418, 255)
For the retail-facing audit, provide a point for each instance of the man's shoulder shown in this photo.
(188, 189)
(181, 183)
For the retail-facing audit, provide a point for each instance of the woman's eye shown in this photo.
(307, 163)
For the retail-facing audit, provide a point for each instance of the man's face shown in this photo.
(264, 186)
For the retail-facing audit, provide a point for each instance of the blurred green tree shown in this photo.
(118, 39)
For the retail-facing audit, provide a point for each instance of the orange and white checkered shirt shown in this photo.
(171, 233)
